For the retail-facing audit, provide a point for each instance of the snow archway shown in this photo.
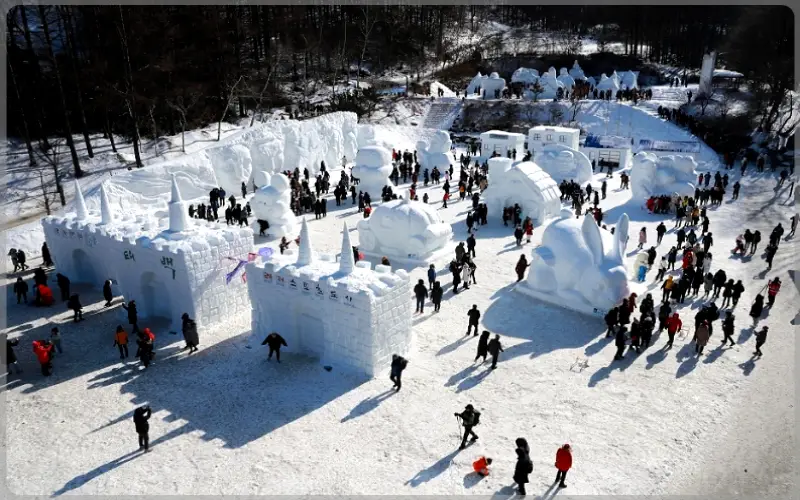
(155, 301)
(84, 271)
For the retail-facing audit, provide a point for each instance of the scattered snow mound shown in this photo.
(373, 168)
(655, 176)
(272, 203)
(564, 163)
(437, 153)
(579, 265)
(523, 183)
(408, 230)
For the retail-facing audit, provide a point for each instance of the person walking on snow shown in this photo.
(107, 293)
(518, 233)
(121, 342)
(495, 348)
(21, 290)
(772, 291)
(63, 285)
(141, 416)
(399, 364)
(474, 318)
(190, 335)
(421, 292)
(274, 341)
(522, 265)
(642, 238)
(702, 335)
(43, 350)
(469, 419)
(133, 315)
(74, 303)
(619, 341)
(727, 328)
(55, 339)
(761, 338)
(524, 466)
(436, 296)
(660, 230)
(563, 464)
(483, 346)
(11, 356)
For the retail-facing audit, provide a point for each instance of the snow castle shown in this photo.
(168, 265)
(351, 317)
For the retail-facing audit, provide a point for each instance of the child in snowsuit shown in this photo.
(481, 466)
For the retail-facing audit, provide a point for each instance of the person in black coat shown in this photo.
(47, 260)
(107, 293)
(611, 320)
(495, 348)
(63, 285)
(619, 340)
(399, 364)
(727, 328)
(11, 356)
(483, 346)
(421, 292)
(474, 319)
(190, 334)
(274, 341)
(469, 419)
(141, 416)
(21, 290)
(738, 290)
(39, 276)
(436, 296)
(133, 315)
(524, 466)
(74, 303)
(757, 308)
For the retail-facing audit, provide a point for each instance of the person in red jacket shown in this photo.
(481, 466)
(563, 464)
(772, 291)
(43, 351)
(674, 324)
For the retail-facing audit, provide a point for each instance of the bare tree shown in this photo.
(182, 108)
(25, 130)
(129, 90)
(724, 104)
(50, 153)
(260, 98)
(366, 26)
(151, 111)
(703, 101)
(556, 113)
(228, 102)
(575, 106)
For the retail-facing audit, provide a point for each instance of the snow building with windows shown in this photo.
(541, 135)
(523, 183)
(169, 265)
(502, 143)
(351, 317)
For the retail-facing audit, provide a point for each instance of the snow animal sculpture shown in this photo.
(564, 163)
(403, 229)
(373, 168)
(437, 153)
(565, 78)
(550, 83)
(580, 266)
(654, 176)
(272, 203)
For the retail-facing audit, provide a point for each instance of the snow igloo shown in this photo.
(349, 316)
(579, 265)
(437, 153)
(272, 203)
(564, 163)
(405, 231)
(373, 166)
(523, 183)
(168, 265)
(652, 175)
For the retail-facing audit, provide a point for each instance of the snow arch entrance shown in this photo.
(84, 268)
(155, 298)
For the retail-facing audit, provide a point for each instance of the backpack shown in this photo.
(529, 466)
(477, 418)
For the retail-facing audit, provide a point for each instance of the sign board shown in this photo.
(608, 141)
(671, 146)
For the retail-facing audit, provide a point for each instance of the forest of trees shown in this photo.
(147, 71)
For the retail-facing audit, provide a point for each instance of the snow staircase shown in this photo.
(442, 113)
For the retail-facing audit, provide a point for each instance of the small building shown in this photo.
(169, 266)
(349, 316)
(523, 183)
(497, 141)
(541, 135)
(604, 150)
(726, 79)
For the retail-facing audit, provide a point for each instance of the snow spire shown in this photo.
(105, 206)
(346, 260)
(305, 255)
(178, 219)
(176, 194)
(80, 204)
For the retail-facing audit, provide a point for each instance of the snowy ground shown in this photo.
(227, 421)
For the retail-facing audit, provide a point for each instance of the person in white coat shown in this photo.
(465, 275)
(707, 263)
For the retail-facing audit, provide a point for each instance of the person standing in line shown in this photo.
(399, 364)
(761, 338)
(274, 341)
(474, 319)
(421, 293)
(563, 464)
(141, 416)
(55, 339)
(21, 290)
(483, 346)
(436, 296)
(121, 342)
(727, 328)
(495, 348)
(619, 341)
(190, 334)
(431, 276)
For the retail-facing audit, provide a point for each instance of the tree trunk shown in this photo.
(151, 110)
(110, 129)
(44, 193)
(67, 129)
(41, 116)
(68, 35)
(25, 132)
(129, 98)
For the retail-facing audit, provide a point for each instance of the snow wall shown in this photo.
(653, 175)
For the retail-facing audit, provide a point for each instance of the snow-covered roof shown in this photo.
(541, 179)
(726, 73)
(493, 134)
(553, 128)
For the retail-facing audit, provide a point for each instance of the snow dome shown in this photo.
(438, 153)
(654, 176)
(576, 72)
(373, 166)
(272, 203)
(523, 183)
(579, 265)
(525, 75)
(409, 231)
(564, 163)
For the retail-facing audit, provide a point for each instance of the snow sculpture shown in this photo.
(487, 84)
(607, 83)
(373, 168)
(178, 215)
(550, 84)
(166, 269)
(475, 84)
(652, 175)
(579, 266)
(272, 203)
(525, 76)
(566, 79)
(576, 72)
(502, 143)
(591, 81)
(406, 231)
(523, 183)
(629, 80)
(564, 163)
(437, 153)
(106, 217)
(707, 74)
(349, 316)
(541, 135)
(232, 166)
(81, 213)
